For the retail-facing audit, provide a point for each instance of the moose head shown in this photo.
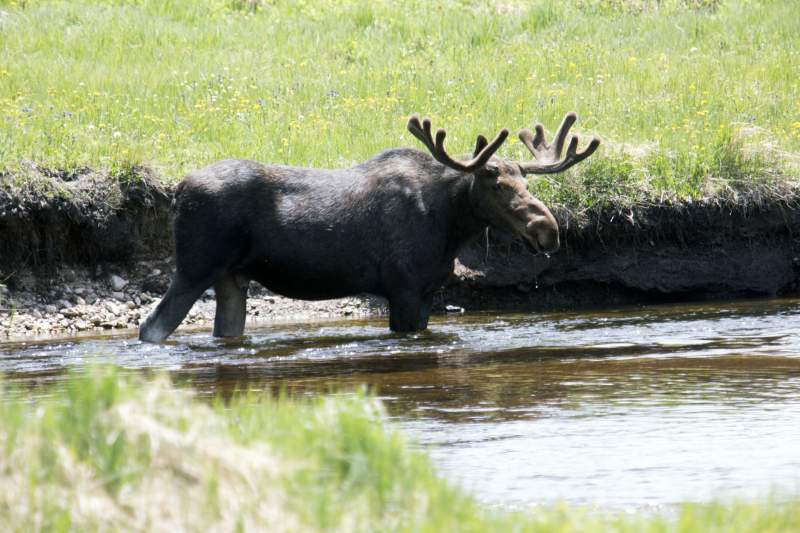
(499, 191)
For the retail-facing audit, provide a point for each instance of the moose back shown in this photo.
(391, 226)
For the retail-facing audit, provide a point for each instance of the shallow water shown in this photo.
(628, 408)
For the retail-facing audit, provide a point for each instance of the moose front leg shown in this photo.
(409, 311)
(231, 293)
(173, 307)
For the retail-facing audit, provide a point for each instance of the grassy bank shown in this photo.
(694, 98)
(106, 450)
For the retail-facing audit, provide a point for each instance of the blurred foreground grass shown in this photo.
(695, 99)
(107, 451)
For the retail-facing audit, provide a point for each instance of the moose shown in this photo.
(391, 226)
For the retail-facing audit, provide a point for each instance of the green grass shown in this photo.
(111, 451)
(695, 99)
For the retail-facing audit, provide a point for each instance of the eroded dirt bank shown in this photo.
(649, 254)
(76, 261)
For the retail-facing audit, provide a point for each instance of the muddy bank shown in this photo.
(85, 252)
(658, 253)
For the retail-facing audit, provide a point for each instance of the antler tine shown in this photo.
(561, 133)
(421, 131)
(480, 144)
(483, 150)
(548, 156)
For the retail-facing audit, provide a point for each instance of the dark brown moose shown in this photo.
(391, 226)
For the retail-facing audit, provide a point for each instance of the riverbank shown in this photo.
(116, 296)
(73, 261)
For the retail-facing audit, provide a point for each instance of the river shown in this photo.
(629, 408)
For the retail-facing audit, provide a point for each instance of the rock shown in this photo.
(80, 301)
(117, 282)
(155, 272)
(453, 309)
(130, 305)
(119, 296)
(63, 304)
(72, 312)
(50, 309)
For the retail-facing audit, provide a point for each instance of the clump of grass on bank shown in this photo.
(111, 451)
(672, 86)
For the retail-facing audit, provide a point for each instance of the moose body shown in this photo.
(391, 226)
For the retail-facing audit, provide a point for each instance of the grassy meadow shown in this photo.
(110, 451)
(694, 99)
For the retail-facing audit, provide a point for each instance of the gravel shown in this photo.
(98, 300)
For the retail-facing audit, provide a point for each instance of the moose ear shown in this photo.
(491, 170)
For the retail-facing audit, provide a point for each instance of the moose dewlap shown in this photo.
(391, 226)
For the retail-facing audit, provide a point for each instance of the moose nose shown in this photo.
(545, 233)
(551, 244)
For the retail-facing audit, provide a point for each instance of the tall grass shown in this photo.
(669, 85)
(110, 451)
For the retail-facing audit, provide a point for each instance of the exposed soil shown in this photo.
(92, 252)
(652, 254)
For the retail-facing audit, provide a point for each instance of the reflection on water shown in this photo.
(630, 407)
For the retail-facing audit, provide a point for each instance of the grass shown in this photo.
(116, 451)
(695, 99)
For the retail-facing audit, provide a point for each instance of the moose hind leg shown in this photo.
(409, 312)
(172, 309)
(231, 291)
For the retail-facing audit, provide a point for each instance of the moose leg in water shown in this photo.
(172, 309)
(408, 311)
(231, 293)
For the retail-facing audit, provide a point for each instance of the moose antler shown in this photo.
(548, 156)
(483, 150)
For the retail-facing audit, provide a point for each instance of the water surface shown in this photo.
(626, 408)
